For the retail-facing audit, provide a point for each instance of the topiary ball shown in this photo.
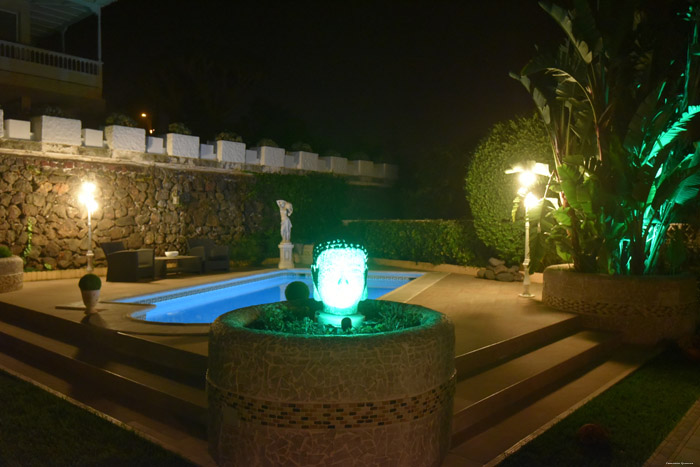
(90, 282)
(5, 252)
(296, 290)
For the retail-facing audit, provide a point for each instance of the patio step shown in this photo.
(110, 372)
(484, 396)
(177, 363)
(535, 414)
(485, 357)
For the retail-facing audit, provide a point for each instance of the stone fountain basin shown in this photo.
(371, 399)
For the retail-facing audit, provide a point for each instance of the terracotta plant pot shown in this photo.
(11, 273)
(90, 299)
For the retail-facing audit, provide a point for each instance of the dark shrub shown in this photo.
(5, 252)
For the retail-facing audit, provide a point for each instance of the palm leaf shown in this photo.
(677, 128)
(562, 17)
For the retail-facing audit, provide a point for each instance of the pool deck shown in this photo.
(485, 313)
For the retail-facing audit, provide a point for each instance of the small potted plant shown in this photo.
(90, 285)
(11, 270)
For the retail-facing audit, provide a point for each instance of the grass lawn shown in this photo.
(38, 428)
(637, 413)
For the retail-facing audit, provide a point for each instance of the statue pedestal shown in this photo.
(286, 257)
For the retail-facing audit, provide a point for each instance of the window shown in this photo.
(8, 26)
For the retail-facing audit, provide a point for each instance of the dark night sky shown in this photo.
(386, 78)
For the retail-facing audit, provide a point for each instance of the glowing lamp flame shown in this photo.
(86, 196)
(526, 178)
(531, 201)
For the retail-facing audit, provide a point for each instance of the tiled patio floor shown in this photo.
(484, 312)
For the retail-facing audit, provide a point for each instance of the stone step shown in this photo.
(122, 376)
(489, 394)
(175, 363)
(534, 415)
(491, 355)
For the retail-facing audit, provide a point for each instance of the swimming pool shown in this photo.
(204, 303)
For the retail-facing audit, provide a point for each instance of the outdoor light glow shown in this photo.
(531, 201)
(86, 196)
(340, 280)
(143, 114)
(526, 178)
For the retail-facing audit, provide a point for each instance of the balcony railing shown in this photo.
(49, 58)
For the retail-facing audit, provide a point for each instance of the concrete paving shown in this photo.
(484, 313)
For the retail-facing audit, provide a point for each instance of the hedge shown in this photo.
(434, 241)
(490, 191)
(321, 202)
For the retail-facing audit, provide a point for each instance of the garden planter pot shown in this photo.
(11, 273)
(125, 138)
(644, 309)
(230, 151)
(370, 399)
(90, 299)
(57, 130)
(182, 145)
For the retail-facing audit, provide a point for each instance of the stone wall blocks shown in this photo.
(59, 130)
(125, 139)
(10, 177)
(17, 129)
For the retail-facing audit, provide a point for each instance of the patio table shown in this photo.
(176, 264)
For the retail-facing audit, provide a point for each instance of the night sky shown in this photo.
(393, 80)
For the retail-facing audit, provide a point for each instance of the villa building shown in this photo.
(35, 69)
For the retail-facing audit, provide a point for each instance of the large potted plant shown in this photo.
(625, 166)
(11, 270)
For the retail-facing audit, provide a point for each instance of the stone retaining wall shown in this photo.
(142, 205)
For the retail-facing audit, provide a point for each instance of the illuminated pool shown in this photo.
(204, 303)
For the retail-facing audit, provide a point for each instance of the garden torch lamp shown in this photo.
(87, 197)
(527, 177)
(530, 202)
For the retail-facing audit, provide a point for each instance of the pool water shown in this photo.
(204, 303)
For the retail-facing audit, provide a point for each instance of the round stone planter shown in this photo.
(644, 309)
(11, 273)
(370, 400)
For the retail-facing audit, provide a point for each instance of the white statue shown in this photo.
(286, 210)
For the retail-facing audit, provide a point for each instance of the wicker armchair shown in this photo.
(213, 257)
(128, 265)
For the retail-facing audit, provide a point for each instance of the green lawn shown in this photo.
(638, 413)
(38, 429)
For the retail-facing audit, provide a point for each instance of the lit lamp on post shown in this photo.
(530, 202)
(87, 197)
(527, 177)
(149, 126)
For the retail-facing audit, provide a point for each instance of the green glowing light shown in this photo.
(340, 280)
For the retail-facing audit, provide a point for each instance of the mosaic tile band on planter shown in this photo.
(372, 399)
(643, 309)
